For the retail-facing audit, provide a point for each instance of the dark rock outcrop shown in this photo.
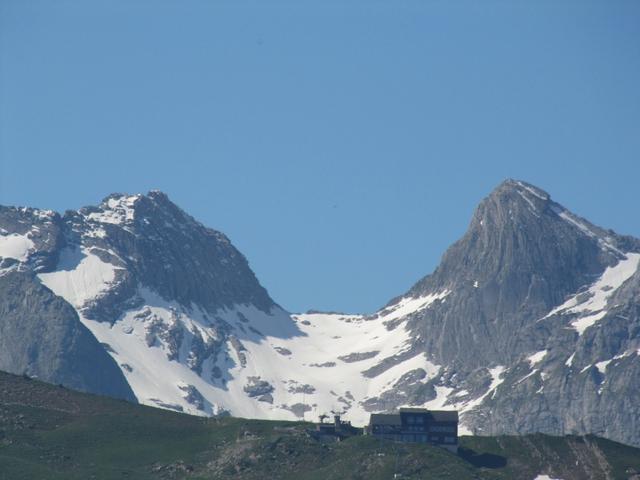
(41, 336)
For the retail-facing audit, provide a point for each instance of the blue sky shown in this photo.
(341, 145)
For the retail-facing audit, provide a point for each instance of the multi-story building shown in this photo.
(417, 425)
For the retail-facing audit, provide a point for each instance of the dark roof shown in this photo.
(385, 419)
(437, 415)
(445, 415)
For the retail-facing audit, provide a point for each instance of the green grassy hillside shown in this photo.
(48, 432)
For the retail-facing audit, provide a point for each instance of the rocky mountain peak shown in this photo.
(511, 202)
(128, 211)
(520, 186)
(517, 205)
(149, 241)
(519, 231)
(522, 255)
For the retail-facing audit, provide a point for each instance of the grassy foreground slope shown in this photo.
(49, 432)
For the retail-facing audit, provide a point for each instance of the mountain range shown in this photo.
(530, 323)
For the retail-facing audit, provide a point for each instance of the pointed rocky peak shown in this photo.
(524, 190)
(19, 220)
(166, 249)
(527, 246)
(124, 209)
(521, 188)
(119, 200)
(513, 201)
(518, 208)
(520, 205)
(522, 256)
(150, 216)
(154, 200)
(117, 209)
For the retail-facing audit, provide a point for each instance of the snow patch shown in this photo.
(602, 366)
(533, 372)
(80, 276)
(532, 207)
(496, 380)
(151, 374)
(158, 366)
(527, 190)
(586, 368)
(442, 394)
(537, 357)
(116, 210)
(536, 193)
(569, 361)
(15, 246)
(408, 305)
(593, 308)
(325, 338)
(96, 233)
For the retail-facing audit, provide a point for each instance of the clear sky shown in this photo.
(342, 145)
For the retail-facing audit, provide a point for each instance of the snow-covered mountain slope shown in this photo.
(530, 323)
(243, 360)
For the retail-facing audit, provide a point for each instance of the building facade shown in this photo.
(417, 425)
(335, 431)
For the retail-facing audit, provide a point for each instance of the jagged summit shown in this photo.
(511, 201)
(130, 210)
(521, 186)
(147, 239)
(522, 255)
(151, 194)
(166, 249)
(517, 233)
(528, 206)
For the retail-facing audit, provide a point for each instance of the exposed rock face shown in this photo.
(135, 265)
(193, 396)
(409, 390)
(41, 336)
(523, 257)
(166, 250)
(587, 382)
(517, 261)
(257, 387)
(357, 356)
